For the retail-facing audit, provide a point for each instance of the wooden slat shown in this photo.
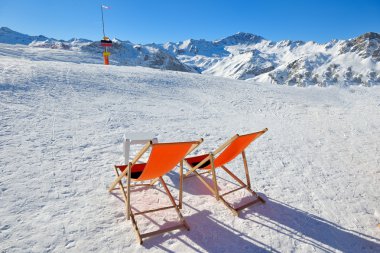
(247, 204)
(153, 210)
(229, 206)
(133, 185)
(137, 185)
(234, 190)
(199, 173)
(160, 231)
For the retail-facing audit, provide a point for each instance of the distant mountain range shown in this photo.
(241, 56)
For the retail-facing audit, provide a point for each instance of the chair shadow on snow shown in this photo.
(295, 223)
(309, 229)
(210, 235)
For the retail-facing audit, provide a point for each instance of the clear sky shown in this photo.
(146, 21)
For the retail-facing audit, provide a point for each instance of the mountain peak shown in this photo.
(369, 36)
(6, 29)
(74, 40)
(241, 38)
(365, 45)
(9, 36)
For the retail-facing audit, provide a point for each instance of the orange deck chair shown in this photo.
(163, 158)
(228, 151)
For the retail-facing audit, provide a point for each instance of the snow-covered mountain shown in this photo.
(242, 56)
(247, 56)
(351, 62)
(9, 36)
(123, 52)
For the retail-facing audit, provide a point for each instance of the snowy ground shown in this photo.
(318, 166)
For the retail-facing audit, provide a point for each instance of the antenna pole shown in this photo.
(101, 8)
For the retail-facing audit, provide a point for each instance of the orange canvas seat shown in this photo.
(218, 159)
(163, 158)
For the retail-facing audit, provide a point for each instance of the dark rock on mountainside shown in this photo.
(366, 45)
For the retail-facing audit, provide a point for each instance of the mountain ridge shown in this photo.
(244, 56)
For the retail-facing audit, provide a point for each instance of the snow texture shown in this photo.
(63, 118)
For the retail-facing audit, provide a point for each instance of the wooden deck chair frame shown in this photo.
(212, 169)
(126, 190)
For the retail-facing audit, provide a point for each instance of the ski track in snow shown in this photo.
(60, 134)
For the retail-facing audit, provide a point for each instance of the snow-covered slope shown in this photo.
(61, 128)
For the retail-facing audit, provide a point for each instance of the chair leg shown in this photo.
(246, 169)
(123, 193)
(174, 204)
(180, 184)
(198, 175)
(127, 207)
(214, 177)
(236, 210)
(228, 205)
(242, 183)
(129, 192)
(134, 224)
(248, 178)
(204, 182)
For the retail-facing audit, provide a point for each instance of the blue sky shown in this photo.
(145, 21)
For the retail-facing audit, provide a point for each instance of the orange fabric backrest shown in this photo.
(235, 148)
(164, 157)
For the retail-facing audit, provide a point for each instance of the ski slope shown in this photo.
(61, 129)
